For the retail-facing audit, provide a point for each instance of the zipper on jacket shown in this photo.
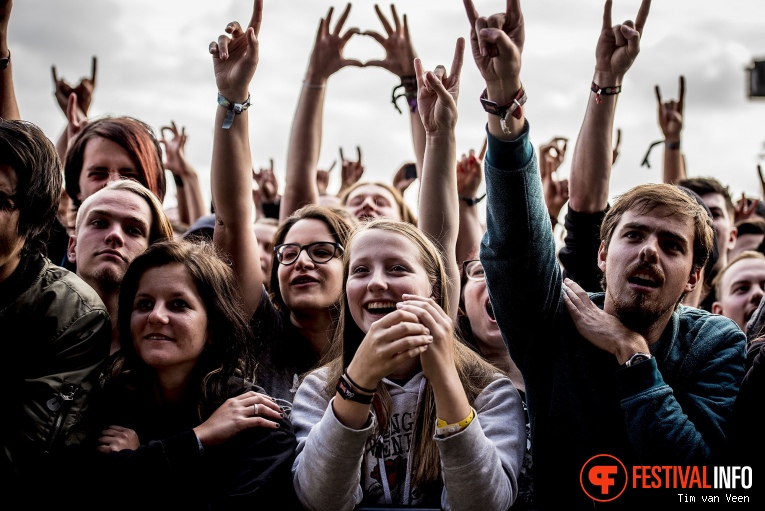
(60, 405)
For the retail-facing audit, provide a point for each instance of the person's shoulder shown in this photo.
(703, 327)
(66, 285)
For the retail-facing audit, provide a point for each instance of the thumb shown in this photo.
(497, 37)
(633, 39)
(71, 107)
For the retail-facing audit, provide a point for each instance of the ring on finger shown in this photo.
(257, 408)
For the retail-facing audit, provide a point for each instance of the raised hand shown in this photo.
(438, 359)
(350, 171)
(327, 54)
(268, 186)
(497, 44)
(399, 52)
(470, 172)
(437, 93)
(671, 114)
(551, 156)
(174, 148)
(84, 89)
(619, 45)
(248, 410)
(117, 438)
(402, 181)
(235, 56)
(744, 208)
(76, 119)
(322, 178)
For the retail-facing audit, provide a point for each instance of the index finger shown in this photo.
(383, 20)
(358, 151)
(93, 70)
(642, 16)
(271, 161)
(459, 51)
(512, 7)
(341, 20)
(658, 94)
(55, 75)
(472, 14)
(607, 15)
(682, 94)
(257, 16)
(342, 158)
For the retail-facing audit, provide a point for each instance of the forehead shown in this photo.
(170, 279)
(8, 179)
(307, 231)
(715, 200)
(264, 231)
(750, 270)
(117, 204)
(380, 244)
(371, 190)
(660, 218)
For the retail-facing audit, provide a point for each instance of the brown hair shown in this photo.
(28, 151)
(406, 213)
(474, 372)
(746, 254)
(230, 350)
(338, 227)
(161, 228)
(706, 185)
(648, 197)
(136, 137)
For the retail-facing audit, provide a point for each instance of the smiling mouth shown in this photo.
(381, 308)
(303, 280)
(157, 337)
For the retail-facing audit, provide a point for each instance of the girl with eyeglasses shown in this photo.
(294, 325)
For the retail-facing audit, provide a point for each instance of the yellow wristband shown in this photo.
(444, 429)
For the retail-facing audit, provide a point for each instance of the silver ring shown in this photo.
(257, 408)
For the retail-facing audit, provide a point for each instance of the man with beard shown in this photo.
(114, 225)
(628, 373)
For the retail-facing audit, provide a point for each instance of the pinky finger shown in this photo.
(213, 49)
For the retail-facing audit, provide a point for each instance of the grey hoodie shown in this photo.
(336, 467)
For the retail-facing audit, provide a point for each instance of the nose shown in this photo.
(649, 251)
(757, 293)
(114, 176)
(115, 236)
(377, 281)
(158, 314)
(303, 261)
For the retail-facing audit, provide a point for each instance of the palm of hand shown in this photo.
(611, 58)
(238, 67)
(399, 55)
(328, 54)
(438, 115)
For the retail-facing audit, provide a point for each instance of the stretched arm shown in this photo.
(76, 110)
(617, 47)
(235, 58)
(469, 174)
(438, 213)
(399, 60)
(671, 124)
(551, 157)
(305, 136)
(9, 108)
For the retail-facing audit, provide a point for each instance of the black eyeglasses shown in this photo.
(473, 269)
(320, 252)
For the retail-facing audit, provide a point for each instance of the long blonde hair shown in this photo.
(474, 372)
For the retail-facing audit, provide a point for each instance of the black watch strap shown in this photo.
(346, 392)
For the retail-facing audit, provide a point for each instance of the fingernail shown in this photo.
(399, 305)
(281, 415)
(278, 425)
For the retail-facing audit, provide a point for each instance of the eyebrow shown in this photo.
(110, 214)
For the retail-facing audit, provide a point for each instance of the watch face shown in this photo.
(637, 358)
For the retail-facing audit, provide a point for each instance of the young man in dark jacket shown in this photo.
(54, 328)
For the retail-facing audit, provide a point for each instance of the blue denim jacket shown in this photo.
(672, 409)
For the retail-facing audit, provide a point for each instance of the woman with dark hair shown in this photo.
(294, 327)
(184, 425)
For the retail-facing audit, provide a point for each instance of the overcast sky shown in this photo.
(153, 64)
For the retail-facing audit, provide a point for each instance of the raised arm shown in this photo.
(469, 175)
(191, 204)
(235, 58)
(9, 108)
(438, 211)
(671, 124)
(617, 47)
(76, 112)
(305, 136)
(399, 60)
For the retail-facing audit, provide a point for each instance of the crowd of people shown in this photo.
(340, 351)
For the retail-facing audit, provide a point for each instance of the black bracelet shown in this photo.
(346, 392)
(359, 387)
(672, 145)
(472, 201)
(178, 180)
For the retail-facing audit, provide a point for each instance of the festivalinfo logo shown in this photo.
(604, 478)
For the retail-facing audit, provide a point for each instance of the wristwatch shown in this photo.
(514, 108)
(4, 62)
(637, 358)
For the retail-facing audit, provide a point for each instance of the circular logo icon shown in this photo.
(603, 478)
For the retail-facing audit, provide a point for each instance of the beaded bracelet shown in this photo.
(605, 91)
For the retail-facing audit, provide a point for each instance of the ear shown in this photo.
(732, 238)
(717, 308)
(602, 253)
(694, 279)
(71, 249)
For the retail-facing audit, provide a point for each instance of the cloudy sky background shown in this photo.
(153, 64)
